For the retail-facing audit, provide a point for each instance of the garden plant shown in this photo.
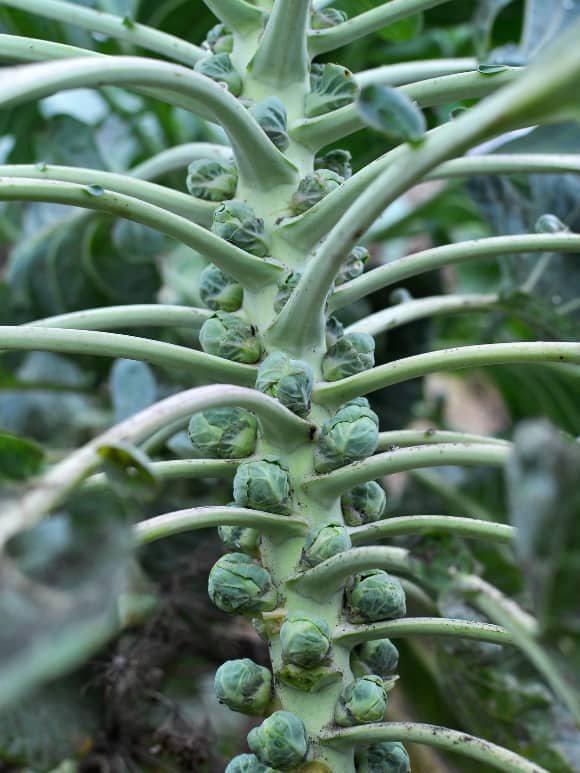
(278, 383)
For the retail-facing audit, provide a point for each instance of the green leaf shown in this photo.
(391, 113)
(133, 388)
(20, 458)
(129, 471)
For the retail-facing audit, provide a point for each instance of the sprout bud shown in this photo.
(323, 18)
(364, 503)
(239, 538)
(226, 335)
(375, 595)
(386, 757)
(244, 686)
(286, 287)
(379, 657)
(305, 640)
(219, 291)
(212, 180)
(263, 485)
(337, 160)
(323, 542)
(219, 68)
(237, 223)
(247, 763)
(350, 435)
(313, 188)
(223, 433)
(220, 40)
(290, 381)
(361, 702)
(270, 114)
(239, 585)
(280, 741)
(353, 266)
(332, 86)
(351, 354)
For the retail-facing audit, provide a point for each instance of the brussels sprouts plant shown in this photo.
(273, 374)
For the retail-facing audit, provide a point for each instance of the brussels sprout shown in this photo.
(271, 116)
(247, 763)
(220, 39)
(290, 381)
(323, 542)
(244, 686)
(334, 331)
(361, 702)
(223, 433)
(219, 68)
(313, 188)
(219, 291)
(332, 86)
(353, 266)
(351, 354)
(212, 180)
(239, 538)
(337, 160)
(379, 657)
(364, 503)
(239, 585)
(386, 757)
(375, 595)
(286, 287)
(263, 485)
(323, 18)
(226, 335)
(305, 640)
(237, 223)
(350, 435)
(280, 741)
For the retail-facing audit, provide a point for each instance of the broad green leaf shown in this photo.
(20, 458)
(129, 471)
(391, 113)
(133, 388)
(543, 21)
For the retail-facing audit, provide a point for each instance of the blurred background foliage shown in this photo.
(145, 701)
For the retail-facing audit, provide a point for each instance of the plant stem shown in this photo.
(411, 72)
(403, 313)
(114, 27)
(168, 524)
(276, 422)
(236, 14)
(366, 23)
(176, 469)
(18, 48)
(260, 163)
(136, 315)
(524, 163)
(351, 635)
(182, 204)
(335, 483)
(420, 524)
(460, 357)
(178, 157)
(449, 255)
(250, 271)
(433, 735)
(415, 437)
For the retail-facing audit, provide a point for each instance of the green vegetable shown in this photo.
(239, 538)
(244, 686)
(323, 542)
(247, 763)
(219, 291)
(324, 18)
(290, 381)
(305, 640)
(313, 188)
(212, 180)
(286, 287)
(223, 433)
(332, 86)
(361, 702)
(386, 757)
(336, 160)
(263, 485)
(219, 68)
(237, 223)
(280, 741)
(239, 585)
(220, 39)
(375, 595)
(271, 116)
(379, 657)
(353, 266)
(226, 335)
(364, 503)
(351, 354)
(350, 435)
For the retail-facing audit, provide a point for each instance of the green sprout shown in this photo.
(313, 188)
(375, 595)
(212, 180)
(379, 657)
(324, 541)
(332, 86)
(263, 484)
(239, 585)
(223, 433)
(280, 741)
(351, 354)
(247, 763)
(219, 68)
(364, 503)
(305, 640)
(237, 223)
(219, 291)
(290, 381)
(244, 686)
(361, 702)
(350, 435)
(228, 336)
(387, 757)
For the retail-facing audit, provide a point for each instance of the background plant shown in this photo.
(118, 266)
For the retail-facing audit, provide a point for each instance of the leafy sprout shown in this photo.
(228, 336)
(239, 585)
(219, 68)
(374, 596)
(219, 291)
(280, 741)
(212, 180)
(244, 686)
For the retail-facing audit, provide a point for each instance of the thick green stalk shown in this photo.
(136, 315)
(351, 635)
(409, 72)
(237, 14)
(415, 437)
(421, 524)
(465, 454)
(250, 271)
(113, 26)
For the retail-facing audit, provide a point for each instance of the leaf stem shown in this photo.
(136, 315)
(351, 635)
(176, 469)
(410, 72)
(416, 437)
(420, 524)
